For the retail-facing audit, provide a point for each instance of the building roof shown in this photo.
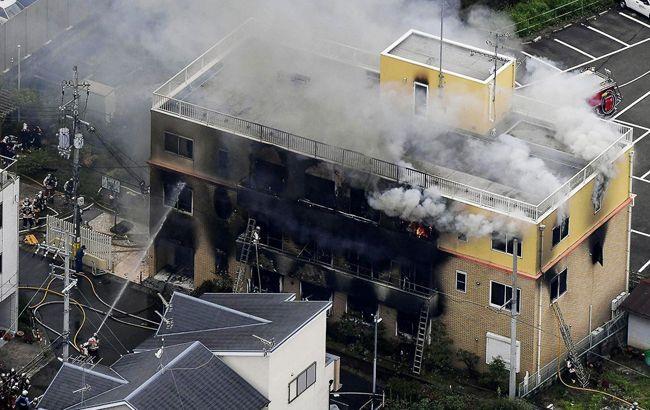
(234, 322)
(185, 376)
(638, 302)
(460, 59)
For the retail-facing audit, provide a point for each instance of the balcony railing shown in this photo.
(164, 101)
(401, 284)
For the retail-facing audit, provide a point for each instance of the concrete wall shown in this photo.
(9, 267)
(638, 332)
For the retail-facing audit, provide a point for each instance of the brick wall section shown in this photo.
(587, 283)
(291, 285)
(468, 316)
(339, 303)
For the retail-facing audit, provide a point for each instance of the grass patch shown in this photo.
(532, 16)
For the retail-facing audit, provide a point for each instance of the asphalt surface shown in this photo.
(115, 338)
(618, 40)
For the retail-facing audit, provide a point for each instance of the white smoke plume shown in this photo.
(430, 208)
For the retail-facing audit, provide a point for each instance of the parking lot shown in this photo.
(618, 40)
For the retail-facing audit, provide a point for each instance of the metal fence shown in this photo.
(97, 244)
(550, 370)
(37, 24)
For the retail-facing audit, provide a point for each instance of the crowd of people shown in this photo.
(14, 390)
(29, 137)
(31, 209)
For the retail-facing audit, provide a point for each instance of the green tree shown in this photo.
(469, 359)
(497, 376)
(438, 353)
(221, 284)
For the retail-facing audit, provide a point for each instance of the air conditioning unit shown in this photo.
(617, 301)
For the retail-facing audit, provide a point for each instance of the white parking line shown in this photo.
(575, 48)
(608, 54)
(640, 138)
(606, 35)
(640, 233)
(644, 266)
(635, 102)
(635, 79)
(540, 60)
(640, 179)
(633, 19)
(633, 125)
(645, 175)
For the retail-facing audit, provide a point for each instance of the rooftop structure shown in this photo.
(184, 376)
(459, 59)
(218, 90)
(229, 323)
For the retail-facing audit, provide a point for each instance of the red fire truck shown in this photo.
(607, 96)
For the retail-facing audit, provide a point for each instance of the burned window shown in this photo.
(268, 176)
(223, 162)
(358, 202)
(365, 308)
(420, 98)
(179, 145)
(501, 296)
(270, 234)
(462, 237)
(358, 262)
(178, 196)
(561, 231)
(320, 191)
(558, 285)
(505, 243)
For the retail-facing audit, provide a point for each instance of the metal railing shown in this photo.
(164, 101)
(550, 370)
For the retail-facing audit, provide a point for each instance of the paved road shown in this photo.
(618, 40)
(115, 338)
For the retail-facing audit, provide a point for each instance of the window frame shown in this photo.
(296, 380)
(464, 275)
(175, 206)
(178, 145)
(563, 228)
(507, 242)
(505, 294)
(417, 112)
(558, 279)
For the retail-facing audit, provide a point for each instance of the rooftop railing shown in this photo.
(164, 101)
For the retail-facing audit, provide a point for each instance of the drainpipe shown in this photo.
(629, 225)
(539, 299)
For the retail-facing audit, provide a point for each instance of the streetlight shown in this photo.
(376, 320)
(19, 57)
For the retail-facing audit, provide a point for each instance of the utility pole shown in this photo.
(19, 78)
(512, 392)
(78, 142)
(498, 39)
(441, 76)
(376, 319)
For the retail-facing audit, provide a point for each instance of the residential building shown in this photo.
(219, 351)
(637, 305)
(187, 375)
(229, 147)
(9, 194)
(275, 343)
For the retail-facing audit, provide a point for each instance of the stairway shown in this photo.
(242, 262)
(581, 372)
(421, 337)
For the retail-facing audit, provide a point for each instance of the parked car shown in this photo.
(640, 6)
(9, 8)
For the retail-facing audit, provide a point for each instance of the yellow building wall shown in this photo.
(582, 220)
(462, 102)
(579, 208)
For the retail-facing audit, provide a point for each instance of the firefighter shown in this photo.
(22, 402)
(91, 347)
(68, 189)
(28, 216)
(79, 259)
(50, 183)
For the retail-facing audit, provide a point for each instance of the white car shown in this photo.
(640, 6)
(9, 8)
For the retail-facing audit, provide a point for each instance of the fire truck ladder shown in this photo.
(581, 372)
(422, 336)
(242, 263)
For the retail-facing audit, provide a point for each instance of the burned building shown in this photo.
(258, 137)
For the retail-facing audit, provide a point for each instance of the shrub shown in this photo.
(221, 284)
(497, 376)
(438, 354)
(469, 359)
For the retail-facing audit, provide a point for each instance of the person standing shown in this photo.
(79, 259)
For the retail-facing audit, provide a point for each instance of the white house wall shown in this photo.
(638, 332)
(9, 197)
